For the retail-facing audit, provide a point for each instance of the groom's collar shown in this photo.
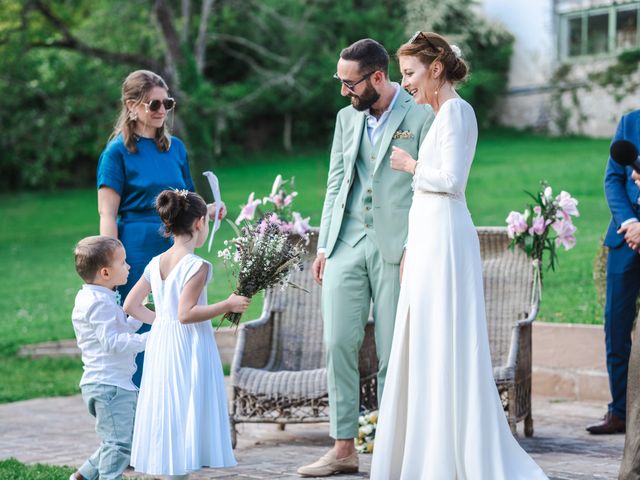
(367, 112)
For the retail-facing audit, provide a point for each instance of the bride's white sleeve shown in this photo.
(452, 144)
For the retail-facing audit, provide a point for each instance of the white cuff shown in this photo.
(134, 323)
(628, 221)
(322, 251)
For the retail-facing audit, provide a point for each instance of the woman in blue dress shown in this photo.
(141, 159)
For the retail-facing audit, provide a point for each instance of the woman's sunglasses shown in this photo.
(154, 105)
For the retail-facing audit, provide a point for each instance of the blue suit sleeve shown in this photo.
(615, 181)
(111, 172)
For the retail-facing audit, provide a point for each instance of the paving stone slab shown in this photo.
(59, 431)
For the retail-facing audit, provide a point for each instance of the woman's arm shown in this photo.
(108, 204)
(190, 312)
(133, 303)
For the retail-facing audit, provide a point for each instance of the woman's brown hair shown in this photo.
(429, 47)
(136, 87)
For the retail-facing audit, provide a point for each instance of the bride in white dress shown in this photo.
(440, 416)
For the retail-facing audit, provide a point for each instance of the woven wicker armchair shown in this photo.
(511, 309)
(278, 371)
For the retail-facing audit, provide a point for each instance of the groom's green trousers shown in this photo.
(353, 278)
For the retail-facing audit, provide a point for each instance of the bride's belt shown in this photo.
(452, 196)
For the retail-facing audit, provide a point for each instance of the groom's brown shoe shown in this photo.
(611, 423)
(330, 465)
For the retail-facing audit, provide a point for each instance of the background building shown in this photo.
(567, 75)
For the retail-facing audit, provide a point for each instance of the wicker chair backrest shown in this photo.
(508, 282)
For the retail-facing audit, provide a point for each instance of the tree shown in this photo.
(486, 47)
(245, 73)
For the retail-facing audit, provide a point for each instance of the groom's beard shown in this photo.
(366, 100)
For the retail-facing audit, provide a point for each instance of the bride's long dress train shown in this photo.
(441, 417)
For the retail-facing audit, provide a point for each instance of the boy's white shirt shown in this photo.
(106, 338)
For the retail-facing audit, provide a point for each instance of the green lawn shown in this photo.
(39, 231)
(12, 469)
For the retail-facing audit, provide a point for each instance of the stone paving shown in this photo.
(59, 431)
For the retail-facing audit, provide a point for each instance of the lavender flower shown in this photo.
(265, 256)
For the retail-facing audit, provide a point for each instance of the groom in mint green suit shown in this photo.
(362, 234)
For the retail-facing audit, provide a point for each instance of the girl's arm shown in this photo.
(190, 312)
(133, 303)
(108, 204)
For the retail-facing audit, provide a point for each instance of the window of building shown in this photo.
(600, 32)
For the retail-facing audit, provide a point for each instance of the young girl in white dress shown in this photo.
(182, 422)
(440, 416)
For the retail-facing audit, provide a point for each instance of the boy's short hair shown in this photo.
(93, 253)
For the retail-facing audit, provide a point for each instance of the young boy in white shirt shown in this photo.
(109, 345)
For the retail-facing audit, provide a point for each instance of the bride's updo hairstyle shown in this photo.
(429, 47)
(178, 210)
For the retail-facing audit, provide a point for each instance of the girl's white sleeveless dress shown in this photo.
(182, 421)
(440, 416)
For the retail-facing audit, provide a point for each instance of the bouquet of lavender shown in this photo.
(544, 225)
(263, 255)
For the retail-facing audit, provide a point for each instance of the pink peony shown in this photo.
(249, 210)
(568, 204)
(286, 227)
(516, 224)
(277, 183)
(566, 233)
(538, 226)
(289, 198)
(300, 225)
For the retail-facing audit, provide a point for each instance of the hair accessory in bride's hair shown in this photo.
(456, 51)
(184, 192)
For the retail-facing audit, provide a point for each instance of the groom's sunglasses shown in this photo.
(352, 85)
(154, 105)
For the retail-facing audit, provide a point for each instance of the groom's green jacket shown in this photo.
(406, 127)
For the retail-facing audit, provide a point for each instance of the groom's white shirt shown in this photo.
(376, 126)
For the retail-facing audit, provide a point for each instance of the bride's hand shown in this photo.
(402, 161)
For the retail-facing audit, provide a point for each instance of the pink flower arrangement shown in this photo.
(278, 205)
(249, 210)
(534, 229)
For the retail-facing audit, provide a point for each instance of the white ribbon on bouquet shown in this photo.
(217, 198)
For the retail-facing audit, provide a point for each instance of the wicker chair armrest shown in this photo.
(512, 360)
(253, 347)
(533, 314)
(516, 347)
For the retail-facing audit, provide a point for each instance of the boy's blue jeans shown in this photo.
(114, 409)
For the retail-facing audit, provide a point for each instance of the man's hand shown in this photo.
(631, 233)
(636, 177)
(318, 268)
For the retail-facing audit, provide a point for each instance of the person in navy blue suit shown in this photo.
(623, 275)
